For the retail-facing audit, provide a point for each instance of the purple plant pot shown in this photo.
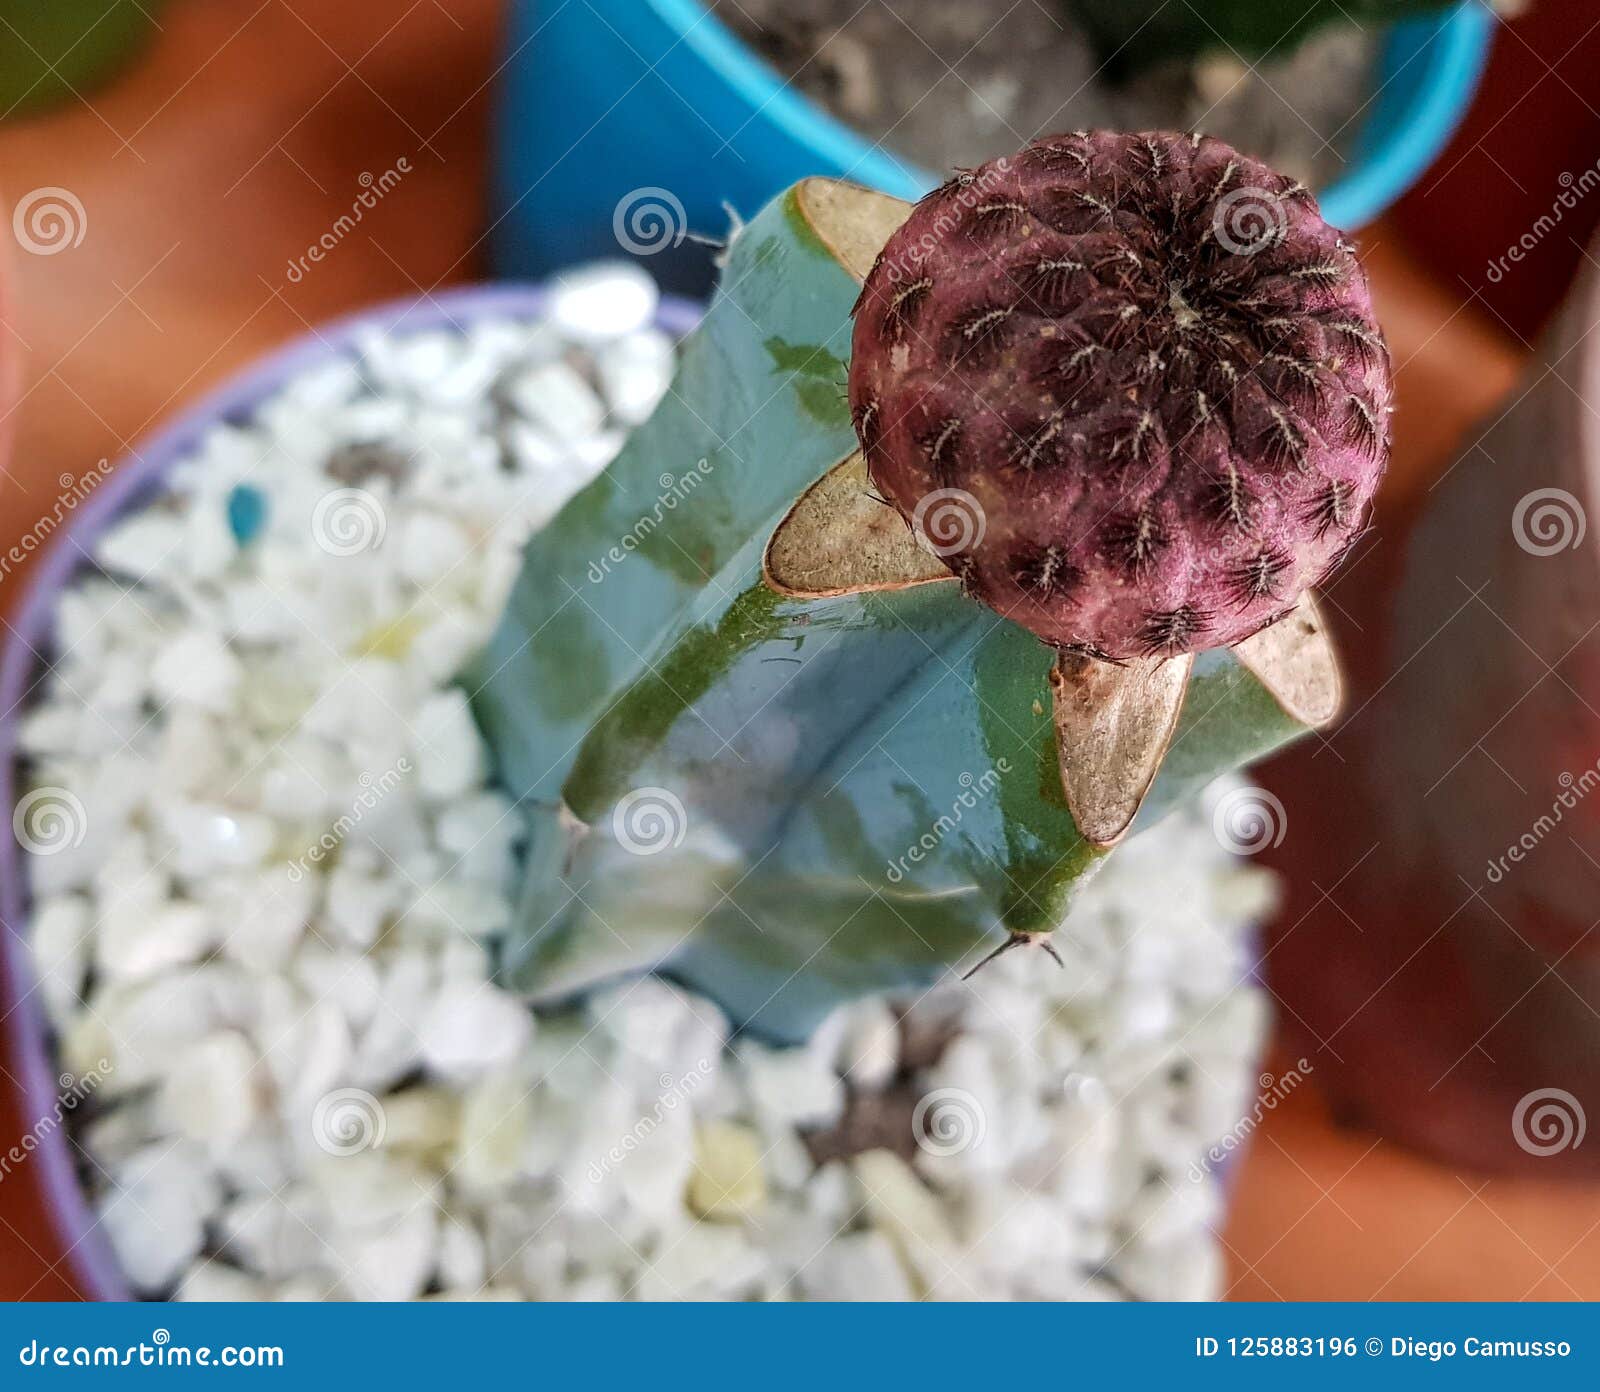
(24, 657)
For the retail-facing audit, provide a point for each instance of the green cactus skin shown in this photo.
(1131, 34)
(811, 742)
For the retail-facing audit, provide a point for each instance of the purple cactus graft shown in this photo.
(1147, 375)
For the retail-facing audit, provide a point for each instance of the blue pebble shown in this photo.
(247, 512)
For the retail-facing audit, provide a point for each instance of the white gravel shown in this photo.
(265, 936)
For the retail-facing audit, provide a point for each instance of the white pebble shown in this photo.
(591, 455)
(601, 1288)
(412, 362)
(132, 941)
(387, 1262)
(472, 1028)
(432, 548)
(603, 301)
(655, 1174)
(308, 1050)
(634, 373)
(728, 1180)
(792, 1086)
(277, 1235)
(155, 1220)
(422, 1120)
(208, 544)
(1089, 1130)
(348, 980)
(262, 915)
(536, 452)
(214, 1093)
(495, 1116)
(61, 949)
(194, 751)
(856, 1267)
(389, 1046)
(899, 1203)
(50, 730)
(210, 1282)
(707, 1261)
(443, 646)
(449, 750)
(1170, 1209)
(142, 546)
(196, 667)
(479, 832)
(1190, 1270)
(869, 1051)
(357, 904)
(554, 397)
(461, 1262)
(205, 838)
(452, 909)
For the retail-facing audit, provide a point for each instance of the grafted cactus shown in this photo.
(769, 743)
(1147, 367)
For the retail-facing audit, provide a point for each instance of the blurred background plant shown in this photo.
(52, 49)
(1131, 34)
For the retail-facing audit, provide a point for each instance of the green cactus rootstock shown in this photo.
(783, 801)
(1130, 34)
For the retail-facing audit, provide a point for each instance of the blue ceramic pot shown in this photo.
(630, 124)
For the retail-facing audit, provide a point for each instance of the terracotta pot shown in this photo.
(1448, 969)
(10, 348)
